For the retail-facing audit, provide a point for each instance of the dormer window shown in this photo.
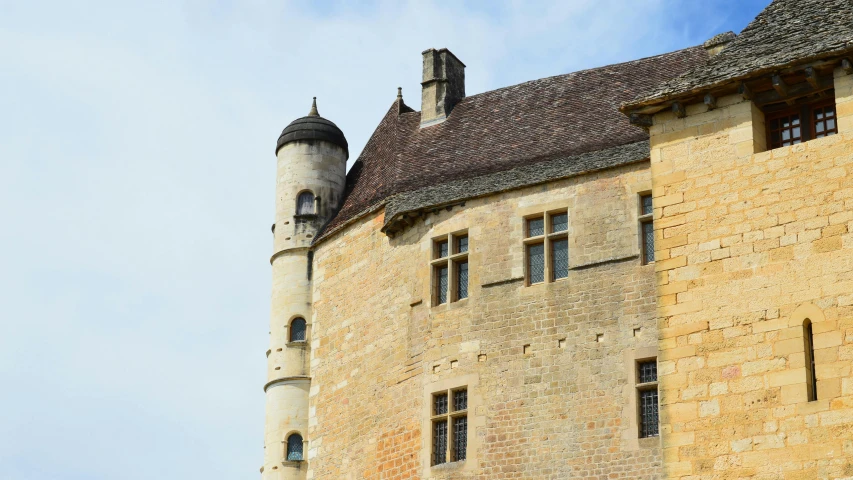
(305, 203)
(801, 123)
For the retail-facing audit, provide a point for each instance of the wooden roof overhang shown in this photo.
(786, 85)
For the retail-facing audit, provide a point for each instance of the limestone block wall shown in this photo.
(549, 368)
(748, 246)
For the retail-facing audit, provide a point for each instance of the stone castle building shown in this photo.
(638, 271)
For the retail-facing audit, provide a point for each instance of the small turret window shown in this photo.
(305, 204)
(294, 448)
(297, 330)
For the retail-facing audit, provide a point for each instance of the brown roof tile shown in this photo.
(503, 129)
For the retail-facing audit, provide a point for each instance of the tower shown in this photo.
(310, 179)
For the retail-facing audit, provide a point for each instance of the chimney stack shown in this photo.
(717, 43)
(443, 85)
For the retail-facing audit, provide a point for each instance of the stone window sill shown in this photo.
(650, 442)
(450, 465)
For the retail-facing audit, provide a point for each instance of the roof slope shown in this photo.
(784, 33)
(503, 129)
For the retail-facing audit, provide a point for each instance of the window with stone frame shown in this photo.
(298, 328)
(647, 398)
(294, 448)
(449, 268)
(546, 247)
(449, 426)
(647, 229)
(305, 203)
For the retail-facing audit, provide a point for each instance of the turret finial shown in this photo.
(314, 112)
(400, 93)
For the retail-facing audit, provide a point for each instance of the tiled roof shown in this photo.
(455, 191)
(555, 117)
(787, 32)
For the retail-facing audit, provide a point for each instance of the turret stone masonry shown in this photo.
(638, 271)
(312, 154)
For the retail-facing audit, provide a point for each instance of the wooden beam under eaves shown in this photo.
(812, 78)
(678, 110)
(640, 120)
(710, 101)
(744, 91)
(793, 92)
(779, 85)
(847, 66)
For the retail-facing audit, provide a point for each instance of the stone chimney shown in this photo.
(717, 43)
(443, 85)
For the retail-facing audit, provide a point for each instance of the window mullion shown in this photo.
(548, 255)
(451, 281)
(549, 259)
(447, 418)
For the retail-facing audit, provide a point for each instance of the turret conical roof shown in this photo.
(312, 127)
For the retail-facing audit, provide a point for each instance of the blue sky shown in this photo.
(136, 191)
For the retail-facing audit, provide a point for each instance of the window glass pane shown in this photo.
(440, 404)
(294, 448)
(796, 133)
(460, 400)
(560, 222)
(462, 280)
(439, 442)
(647, 372)
(561, 258)
(649, 413)
(536, 262)
(305, 204)
(818, 127)
(460, 438)
(646, 202)
(830, 125)
(442, 285)
(648, 242)
(786, 134)
(795, 120)
(535, 227)
(297, 330)
(441, 249)
(462, 245)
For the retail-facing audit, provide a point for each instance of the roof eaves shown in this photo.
(459, 191)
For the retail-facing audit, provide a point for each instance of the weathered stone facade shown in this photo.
(749, 246)
(560, 410)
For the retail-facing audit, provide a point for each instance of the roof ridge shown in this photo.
(586, 70)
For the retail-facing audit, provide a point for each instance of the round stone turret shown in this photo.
(311, 156)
